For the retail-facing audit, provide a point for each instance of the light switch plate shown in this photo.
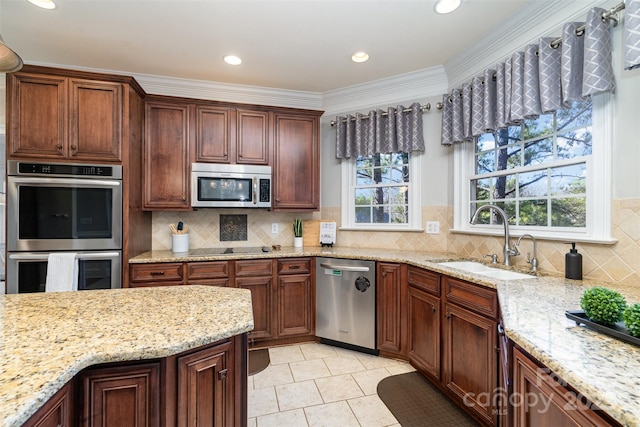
(433, 227)
(274, 228)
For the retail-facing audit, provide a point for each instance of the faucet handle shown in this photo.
(494, 258)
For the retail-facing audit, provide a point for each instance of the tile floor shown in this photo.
(316, 385)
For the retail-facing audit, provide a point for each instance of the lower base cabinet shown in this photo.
(540, 399)
(121, 396)
(205, 387)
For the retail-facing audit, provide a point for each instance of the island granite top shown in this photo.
(46, 339)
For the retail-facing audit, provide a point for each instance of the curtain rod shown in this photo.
(426, 107)
(606, 16)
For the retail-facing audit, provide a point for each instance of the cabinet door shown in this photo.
(205, 387)
(391, 303)
(543, 401)
(57, 412)
(470, 360)
(296, 171)
(37, 114)
(262, 302)
(295, 312)
(253, 137)
(122, 396)
(215, 137)
(424, 331)
(95, 120)
(166, 156)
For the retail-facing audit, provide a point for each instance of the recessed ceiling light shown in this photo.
(232, 60)
(446, 6)
(45, 4)
(360, 57)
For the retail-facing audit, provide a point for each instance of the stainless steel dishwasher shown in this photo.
(346, 303)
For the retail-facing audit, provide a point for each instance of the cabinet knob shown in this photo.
(222, 375)
(434, 309)
(157, 273)
(58, 147)
(74, 148)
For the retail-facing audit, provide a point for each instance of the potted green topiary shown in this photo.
(603, 305)
(631, 318)
(297, 233)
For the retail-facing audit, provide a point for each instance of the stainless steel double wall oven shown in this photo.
(63, 207)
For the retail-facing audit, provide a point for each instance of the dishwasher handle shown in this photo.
(343, 267)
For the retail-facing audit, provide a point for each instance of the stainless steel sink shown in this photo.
(484, 270)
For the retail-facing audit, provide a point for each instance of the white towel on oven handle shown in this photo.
(62, 272)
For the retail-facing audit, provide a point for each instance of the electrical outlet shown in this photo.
(274, 228)
(433, 227)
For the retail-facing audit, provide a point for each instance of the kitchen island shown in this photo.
(602, 369)
(47, 339)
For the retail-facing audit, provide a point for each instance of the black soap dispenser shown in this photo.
(573, 264)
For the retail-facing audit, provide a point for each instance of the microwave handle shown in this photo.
(45, 256)
(255, 190)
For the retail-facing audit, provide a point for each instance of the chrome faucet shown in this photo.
(533, 261)
(507, 250)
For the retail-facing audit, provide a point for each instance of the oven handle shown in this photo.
(66, 181)
(45, 256)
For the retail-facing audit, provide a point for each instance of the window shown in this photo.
(545, 173)
(379, 193)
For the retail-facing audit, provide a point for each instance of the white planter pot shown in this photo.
(297, 242)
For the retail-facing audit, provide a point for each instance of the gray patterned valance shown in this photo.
(542, 78)
(393, 131)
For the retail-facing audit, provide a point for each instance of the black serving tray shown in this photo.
(618, 330)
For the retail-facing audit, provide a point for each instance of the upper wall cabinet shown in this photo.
(57, 117)
(296, 172)
(230, 135)
(166, 160)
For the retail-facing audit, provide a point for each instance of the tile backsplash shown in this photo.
(619, 262)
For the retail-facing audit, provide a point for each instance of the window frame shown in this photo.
(348, 217)
(599, 179)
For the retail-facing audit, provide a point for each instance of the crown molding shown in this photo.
(408, 87)
(527, 25)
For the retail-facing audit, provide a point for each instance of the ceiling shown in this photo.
(301, 45)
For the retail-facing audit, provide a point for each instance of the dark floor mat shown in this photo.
(258, 360)
(414, 401)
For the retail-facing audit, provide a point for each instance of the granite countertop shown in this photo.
(603, 369)
(46, 339)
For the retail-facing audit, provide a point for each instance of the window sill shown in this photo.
(564, 238)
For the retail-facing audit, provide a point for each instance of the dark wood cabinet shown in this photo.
(296, 297)
(167, 165)
(543, 400)
(206, 387)
(121, 396)
(257, 276)
(424, 321)
(55, 117)
(214, 134)
(226, 134)
(470, 354)
(252, 129)
(391, 309)
(296, 164)
(57, 412)
(156, 274)
(213, 273)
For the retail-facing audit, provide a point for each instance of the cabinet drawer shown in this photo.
(161, 272)
(474, 297)
(207, 270)
(294, 266)
(425, 280)
(253, 267)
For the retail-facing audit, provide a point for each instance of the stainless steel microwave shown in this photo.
(230, 186)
